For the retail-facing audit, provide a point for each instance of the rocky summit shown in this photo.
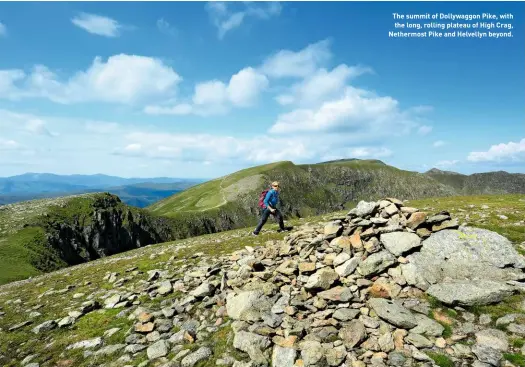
(379, 286)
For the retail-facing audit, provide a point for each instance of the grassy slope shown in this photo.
(469, 209)
(211, 194)
(182, 252)
(24, 250)
(231, 201)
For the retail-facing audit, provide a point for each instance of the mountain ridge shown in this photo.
(222, 204)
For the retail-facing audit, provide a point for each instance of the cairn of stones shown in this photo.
(358, 290)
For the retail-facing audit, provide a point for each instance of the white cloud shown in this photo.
(424, 130)
(3, 29)
(501, 152)
(8, 80)
(8, 144)
(438, 143)
(121, 79)
(226, 20)
(356, 110)
(222, 149)
(165, 27)
(287, 63)
(245, 86)
(320, 85)
(97, 24)
(447, 163)
(213, 92)
(23, 122)
(211, 148)
(38, 127)
(215, 97)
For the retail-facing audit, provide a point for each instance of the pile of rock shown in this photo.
(349, 292)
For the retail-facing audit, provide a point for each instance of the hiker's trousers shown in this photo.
(264, 217)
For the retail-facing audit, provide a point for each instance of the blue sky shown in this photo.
(204, 89)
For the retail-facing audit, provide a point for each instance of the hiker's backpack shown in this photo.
(262, 197)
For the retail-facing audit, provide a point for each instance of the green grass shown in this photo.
(517, 342)
(211, 194)
(440, 359)
(23, 342)
(510, 305)
(25, 227)
(515, 358)
(512, 206)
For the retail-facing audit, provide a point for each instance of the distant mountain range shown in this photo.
(138, 192)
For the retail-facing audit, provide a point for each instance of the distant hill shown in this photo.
(311, 189)
(138, 192)
(231, 201)
(499, 182)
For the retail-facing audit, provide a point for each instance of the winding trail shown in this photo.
(224, 201)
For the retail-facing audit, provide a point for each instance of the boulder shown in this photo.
(247, 305)
(399, 243)
(364, 209)
(322, 279)
(283, 357)
(376, 263)
(470, 293)
(393, 313)
(470, 254)
(352, 333)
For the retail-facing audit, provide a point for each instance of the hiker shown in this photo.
(269, 206)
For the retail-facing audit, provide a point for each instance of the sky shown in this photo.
(197, 89)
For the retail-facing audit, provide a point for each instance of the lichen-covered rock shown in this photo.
(464, 254)
(468, 293)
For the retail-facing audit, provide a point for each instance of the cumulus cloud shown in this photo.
(8, 80)
(225, 20)
(97, 24)
(216, 97)
(324, 99)
(438, 143)
(288, 63)
(3, 29)
(120, 79)
(320, 85)
(508, 152)
(355, 110)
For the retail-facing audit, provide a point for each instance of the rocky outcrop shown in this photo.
(100, 227)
